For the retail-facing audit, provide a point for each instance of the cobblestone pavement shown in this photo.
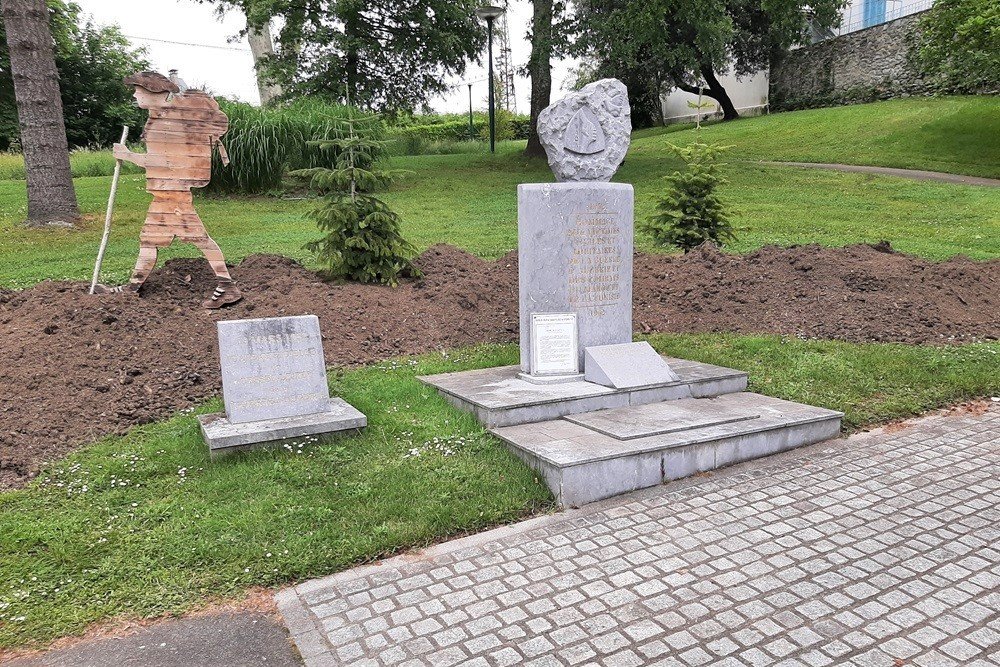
(882, 549)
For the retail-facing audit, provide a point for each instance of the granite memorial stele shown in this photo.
(595, 413)
(274, 386)
(575, 237)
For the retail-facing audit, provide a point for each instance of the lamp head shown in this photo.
(489, 12)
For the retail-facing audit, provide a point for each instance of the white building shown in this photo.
(749, 94)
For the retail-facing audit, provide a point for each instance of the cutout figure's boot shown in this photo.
(121, 289)
(226, 293)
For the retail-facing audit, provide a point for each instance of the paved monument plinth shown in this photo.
(597, 455)
(274, 385)
(499, 397)
(226, 437)
(575, 256)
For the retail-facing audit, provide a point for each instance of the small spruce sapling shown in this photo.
(690, 212)
(362, 239)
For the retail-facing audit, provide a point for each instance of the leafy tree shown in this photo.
(362, 240)
(383, 55)
(30, 61)
(681, 43)
(690, 212)
(958, 46)
(91, 62)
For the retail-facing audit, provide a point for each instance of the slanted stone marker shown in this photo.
(274, 385)
(627, 366)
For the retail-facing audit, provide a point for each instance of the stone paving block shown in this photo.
(879, 549)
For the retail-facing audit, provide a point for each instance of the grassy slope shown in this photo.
(469, 199)
(959, 135)
(159, 529)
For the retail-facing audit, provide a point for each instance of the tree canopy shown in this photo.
(91, 61)
(382, 55)
(686, 43)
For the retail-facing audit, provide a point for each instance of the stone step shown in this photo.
(587, 457)
(499, 398)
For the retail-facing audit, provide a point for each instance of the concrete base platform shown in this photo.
(588, 457)
(499, 398)
(224, 437)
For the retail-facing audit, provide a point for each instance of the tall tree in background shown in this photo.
(262, 47)
(686, 43)
(382, 55)
(539, 69)
(91, 62)
(51, 198)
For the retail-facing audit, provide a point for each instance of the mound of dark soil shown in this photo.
(75, 367)
(860, 293)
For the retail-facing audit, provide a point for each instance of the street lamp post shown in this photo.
(489, 14)
(472, 128)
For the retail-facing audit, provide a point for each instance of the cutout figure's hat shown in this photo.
(154, 82)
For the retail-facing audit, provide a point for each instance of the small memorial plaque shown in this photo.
(554, 344)
(272, 368)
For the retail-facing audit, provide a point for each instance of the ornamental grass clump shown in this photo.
(691, 213)
(362, 239)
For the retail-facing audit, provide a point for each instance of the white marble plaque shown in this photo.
(272, 368)
(554, 344)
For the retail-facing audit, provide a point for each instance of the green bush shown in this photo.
(690, 212)
(958, 46)
(455, 127)
(362, 239)
(264, 143)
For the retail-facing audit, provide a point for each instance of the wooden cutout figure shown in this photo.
(181, 133)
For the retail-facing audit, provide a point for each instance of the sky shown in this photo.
(190, 37)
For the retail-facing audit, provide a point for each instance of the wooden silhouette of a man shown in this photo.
(180, 135)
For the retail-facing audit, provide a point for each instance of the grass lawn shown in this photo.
(143, 525)
(469, 199)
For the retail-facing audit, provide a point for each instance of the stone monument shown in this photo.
(274, 385)
(575, 237)
(593, 412)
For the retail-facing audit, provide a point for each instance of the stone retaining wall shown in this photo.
(858, 67)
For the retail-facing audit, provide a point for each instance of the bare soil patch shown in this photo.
(74, 367)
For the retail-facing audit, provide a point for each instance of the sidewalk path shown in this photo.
(246, 639)
(882, 549)
(914, 174)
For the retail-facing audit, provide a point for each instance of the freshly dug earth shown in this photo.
(75, 367)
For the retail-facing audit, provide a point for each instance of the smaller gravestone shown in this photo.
(274, 385)
(626, 366)
(555, 355)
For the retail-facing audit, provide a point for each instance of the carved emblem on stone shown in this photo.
(586, 134)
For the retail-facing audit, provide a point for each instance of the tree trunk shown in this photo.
(717, 92)
(51, 198)
(540, 70)
(351, 59)
(262, 47)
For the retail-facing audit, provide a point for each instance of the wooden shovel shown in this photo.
(107, 218)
